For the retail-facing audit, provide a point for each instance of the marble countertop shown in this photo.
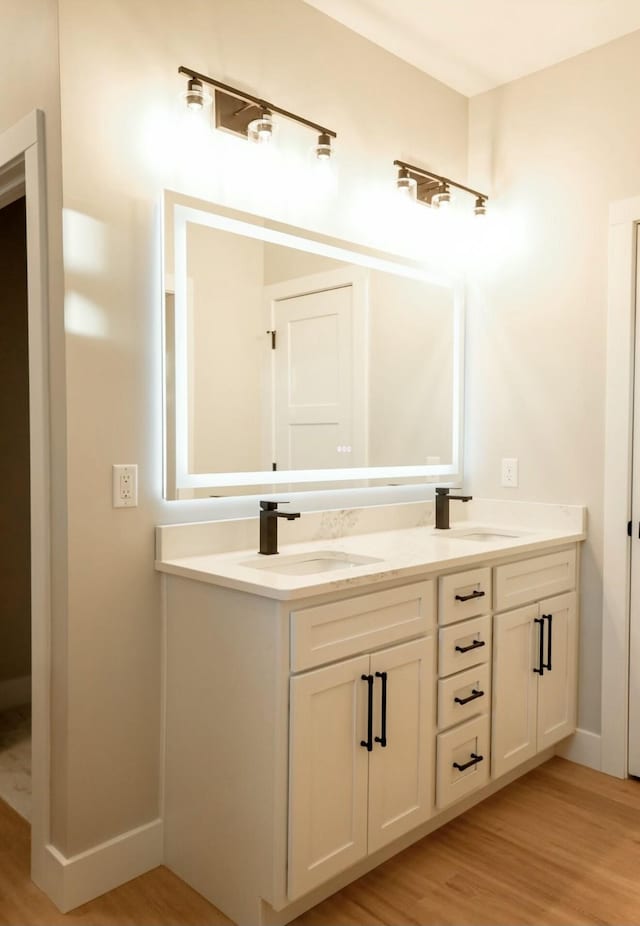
(402, 553)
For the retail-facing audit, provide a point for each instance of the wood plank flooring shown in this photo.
(559, 846)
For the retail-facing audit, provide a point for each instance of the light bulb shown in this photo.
(480, 206)
(195, 97)
(323, 148)
(406, 185)
(260, 130)
(442, 200)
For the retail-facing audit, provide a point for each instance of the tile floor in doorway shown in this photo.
(15, 759)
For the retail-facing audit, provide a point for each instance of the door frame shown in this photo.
(24, 143)
(624, 218)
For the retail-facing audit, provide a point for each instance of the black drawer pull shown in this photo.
(541, 663)
(369, 740)
(382, 739)
(475, 645)
(472, 697)
(475, 594)
(472, 761)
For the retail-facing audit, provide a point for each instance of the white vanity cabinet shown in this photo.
(535, 657)
(310, 737)
(361, 758)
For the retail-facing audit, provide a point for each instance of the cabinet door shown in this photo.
(557, 688)
(328, 773)
(515, 688)
(401, 772)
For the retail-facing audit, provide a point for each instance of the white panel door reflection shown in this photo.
(314, 381)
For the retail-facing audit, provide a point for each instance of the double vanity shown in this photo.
(329, 705)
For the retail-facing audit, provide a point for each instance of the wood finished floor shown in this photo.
(561, 845)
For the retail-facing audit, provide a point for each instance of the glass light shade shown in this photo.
(196, 97)
(323, 149)
(260, 130)
(406, 185)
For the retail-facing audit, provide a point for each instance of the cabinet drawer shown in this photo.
(464, 594)
(464, 645)
(464, 695)
(344, 628)
(463, 760)
(532, 579)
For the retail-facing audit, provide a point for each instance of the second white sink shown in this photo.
(301, 564)
(482, 535)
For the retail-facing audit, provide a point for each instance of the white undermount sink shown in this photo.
(481, 534)
(302, 564)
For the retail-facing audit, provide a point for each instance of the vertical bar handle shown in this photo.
(541, 662)
(549, 617)
(369, 740)
(382, 739)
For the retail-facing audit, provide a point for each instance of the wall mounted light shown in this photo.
(246, 115)
(406, 184)
(433, 189)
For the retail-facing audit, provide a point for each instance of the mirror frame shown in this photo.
(178, 483)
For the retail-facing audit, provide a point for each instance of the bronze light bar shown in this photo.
(430, 186)
(237, 118)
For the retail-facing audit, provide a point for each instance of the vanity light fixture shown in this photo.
(433, 189)
(246, 115)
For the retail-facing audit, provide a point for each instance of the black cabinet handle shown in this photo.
(472, 761)
(475, 645)
(382, 739)
(475, 594)
(549, 617)
(541, 663)
(369, 740)
(472, 697)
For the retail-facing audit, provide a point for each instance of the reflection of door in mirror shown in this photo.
(319, 371)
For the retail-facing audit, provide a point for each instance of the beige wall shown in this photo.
(554, 148)
(123, 143)
(15, 573)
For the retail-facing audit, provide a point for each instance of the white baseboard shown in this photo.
(584, 748)
(15, 692)
(73, 881)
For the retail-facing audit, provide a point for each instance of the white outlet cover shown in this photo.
(510, 472)
(125, 485)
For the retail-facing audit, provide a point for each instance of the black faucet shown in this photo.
(442, 506)
(269, 515)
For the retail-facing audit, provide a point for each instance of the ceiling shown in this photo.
(475, 45)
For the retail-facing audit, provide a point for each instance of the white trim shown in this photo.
(623, 218)
(584, 748)
(25, 140)
(80, 878)
(14, 692)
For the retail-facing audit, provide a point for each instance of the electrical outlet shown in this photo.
(510, 472)
(125, 485)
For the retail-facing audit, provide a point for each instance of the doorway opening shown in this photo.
(15, 501)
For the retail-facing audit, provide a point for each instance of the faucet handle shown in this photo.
(442, 490)
(272, 506)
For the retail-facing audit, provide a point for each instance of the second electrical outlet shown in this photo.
(510, 472)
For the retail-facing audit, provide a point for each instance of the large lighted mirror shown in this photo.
(299, 361)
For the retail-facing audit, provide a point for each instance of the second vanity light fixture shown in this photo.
(246, 115)
(433, 189)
